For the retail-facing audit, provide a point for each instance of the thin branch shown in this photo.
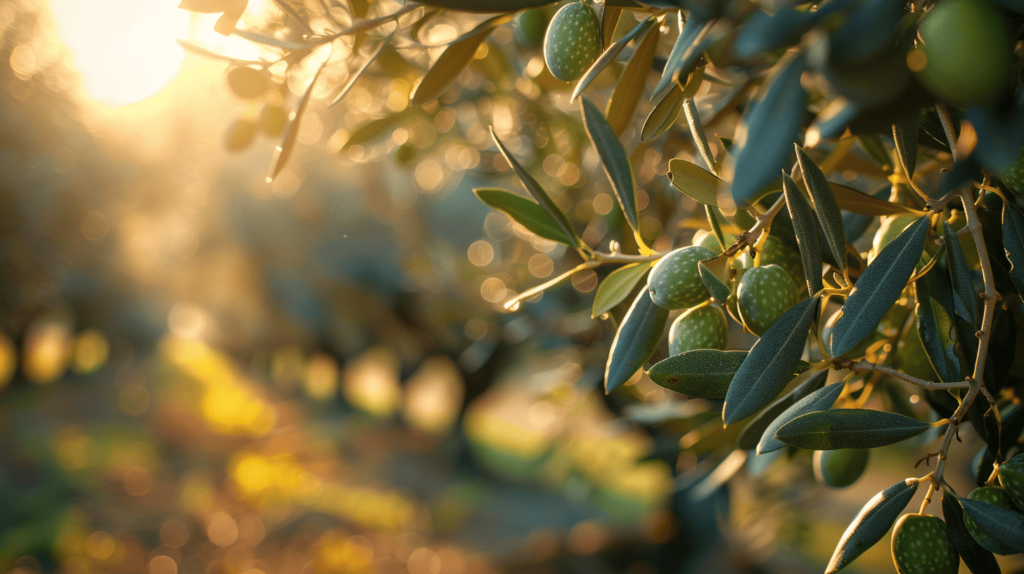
(947, 126)
(865, 366)
(764, 220)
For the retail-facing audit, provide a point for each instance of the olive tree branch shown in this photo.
(865, 366)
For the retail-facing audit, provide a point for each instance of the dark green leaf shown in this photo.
(879, 287)
(523, 211)
(624, 99)
(284, 151)
(704, 373)
(1003, 525)
(825, 205)
(714, 273)
(613, 159)
(608, 56)
(772, 127)
(664, 114)
(697, 132)
(538, 193)
(849, 428)
(871, 523)
(766, 371)
(752, 433)
(1013, 244)
(635, 341)
(806, 230)
(453, 60)
(831, 122)
(820, 400)
(904, 133)
(934, 313)
(964, 297)
(617, 286)
(697, 183)
(685, 51)
(763, 32)
(979, 560)
(852, 200)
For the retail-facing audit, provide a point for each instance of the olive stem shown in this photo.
(947, 126)
(873, 367)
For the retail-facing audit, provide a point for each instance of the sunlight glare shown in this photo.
(125, 50)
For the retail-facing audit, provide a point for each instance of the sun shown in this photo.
(125, 50)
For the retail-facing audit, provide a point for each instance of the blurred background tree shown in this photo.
(255, 319)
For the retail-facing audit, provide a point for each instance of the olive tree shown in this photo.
(862, 188)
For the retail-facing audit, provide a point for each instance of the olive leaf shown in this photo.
(609, 22)
(1013, 244)
(820, 400)
(871, 523)
(714, 274)
(284, 151)
(664, 114)
(375, 128)
(763, 33)
(752, 433)
(613, 159)
(879, 287)
(806, 230)
(703, 373)
(849, 428)
(695, 182)
(765, 372)
(904, 133)
(608, 56)
(825, 205)
(1003, 525)
(624, 99)
(934, 313)
(635, 341)
(527, 213)
(453, 60)
(979, 560)
(617, 286)
(685, 52)
(772, 126)
(831, 122)
(538, 193)
(964, 296)
(354, 76)
(857, 202)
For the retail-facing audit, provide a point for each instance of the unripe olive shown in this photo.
(572, 42)
(840, 468)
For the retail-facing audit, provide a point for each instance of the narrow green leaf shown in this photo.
(879, 287)
(609, 22)
(849, 428)
(714, 273)
(613, 159)
(820, 400)
(284, 151)
(527, 213)
(617, 286)
(664, 114)
(871, 523)
(375, 128)
(934, 314)
(359, 72)
(608, 56)
(624, 99)
(635, 341)
(1004, 525)
(703, 373)
(685, 51)
(806, 230)
(453, 60)
(766, 371)
(977, 559)
(695, 182)
(825, 205)
(772, 123)
(1013, 244)
(538, 193)
(904, 133)
(964, 297)
(852, 200)
(697, 132)
(755, 429)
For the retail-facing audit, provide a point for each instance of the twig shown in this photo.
(947, 126)
(763, 220)
(873, 367)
